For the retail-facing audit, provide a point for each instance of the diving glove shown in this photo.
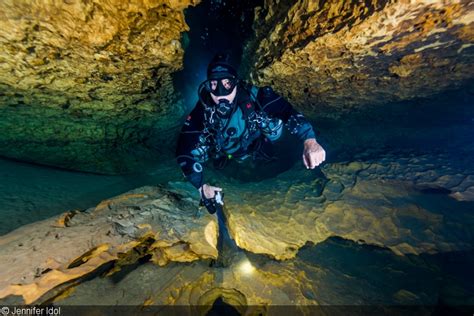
(214, 204)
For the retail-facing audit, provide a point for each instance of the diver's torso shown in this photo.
(237, 134)
(233, 130)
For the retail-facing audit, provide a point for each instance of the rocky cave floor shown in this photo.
(389, 228)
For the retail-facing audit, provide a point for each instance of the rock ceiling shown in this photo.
(341, 54)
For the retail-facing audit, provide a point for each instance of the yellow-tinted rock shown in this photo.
(42, 256)
(340, 54)
(372, 202)
(83, 84)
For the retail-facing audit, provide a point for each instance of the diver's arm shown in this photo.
(277, 106)
(187, 141)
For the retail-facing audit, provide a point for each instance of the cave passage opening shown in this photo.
(215, 26)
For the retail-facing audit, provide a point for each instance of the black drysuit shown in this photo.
(196, 126)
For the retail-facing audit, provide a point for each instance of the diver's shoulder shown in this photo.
(266, 93)
(261, 92)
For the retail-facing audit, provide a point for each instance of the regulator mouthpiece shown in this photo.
(224, 108)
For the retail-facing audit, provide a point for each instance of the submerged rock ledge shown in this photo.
(375, 202)
(51, 255)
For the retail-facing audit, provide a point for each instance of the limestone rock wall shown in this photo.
(83, 83)
(341, 54)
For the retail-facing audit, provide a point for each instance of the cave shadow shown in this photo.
(425, 125)
(356, 273)
(436, 279)
(127, 269)
(220, 307)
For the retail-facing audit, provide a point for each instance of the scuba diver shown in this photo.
(235, 120)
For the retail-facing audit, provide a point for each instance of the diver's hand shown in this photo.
(208, 191)
(211, 198)
(313, 153)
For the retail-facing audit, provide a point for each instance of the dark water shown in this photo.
(215, 26)
(457, 215)
(443, 122)
(29, 193)
(362, 274)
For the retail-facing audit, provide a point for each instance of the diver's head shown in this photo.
(220, 67)
(222, 83)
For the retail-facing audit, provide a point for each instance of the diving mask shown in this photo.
(220, 87)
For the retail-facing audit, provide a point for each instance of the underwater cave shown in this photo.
(322, 164)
